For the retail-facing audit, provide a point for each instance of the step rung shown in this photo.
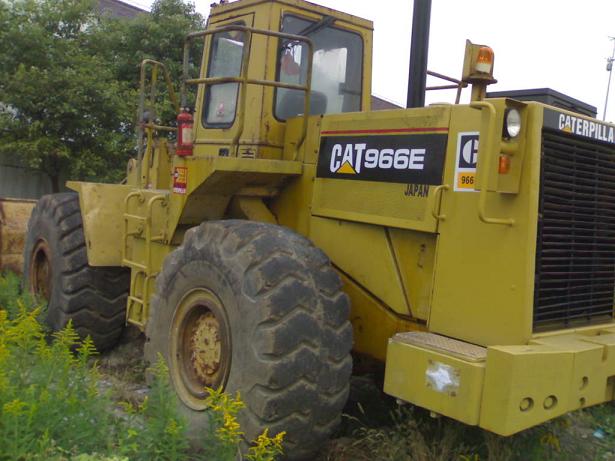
(136, 300)
(134, 264)
(139, 325)
(134, 216)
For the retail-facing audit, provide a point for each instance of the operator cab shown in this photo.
(248, 62)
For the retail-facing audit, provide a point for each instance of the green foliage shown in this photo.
(51, 408)
(68, 82)
(63, 108)
(155, 431)
(224, 437)
(266, 448)
(158, 36)
(10, 294)
(49, 401)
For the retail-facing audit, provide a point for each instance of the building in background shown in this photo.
(119, 9)
(383, 104)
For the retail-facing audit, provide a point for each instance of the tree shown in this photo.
(159, 36)
(69, 79)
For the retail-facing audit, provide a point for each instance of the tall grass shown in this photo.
(52, 408)
(413, 435)
(49, 403)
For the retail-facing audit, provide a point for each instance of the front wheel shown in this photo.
(255, 308)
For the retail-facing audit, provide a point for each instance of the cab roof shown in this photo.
(220, 9)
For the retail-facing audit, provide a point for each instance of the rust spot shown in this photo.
(206, 347)
(40, 270)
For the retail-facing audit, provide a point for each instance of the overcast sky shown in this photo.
(560, 44)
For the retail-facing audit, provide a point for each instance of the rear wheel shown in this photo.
(255, 308)
(57, 271)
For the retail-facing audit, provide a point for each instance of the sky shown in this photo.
(559, 44)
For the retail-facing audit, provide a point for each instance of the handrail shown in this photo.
(243, 79)
(485, 152)
(437, 205)
(150, 126)
(459, 84)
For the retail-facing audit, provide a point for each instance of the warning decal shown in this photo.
(465, 163)
(180, 180)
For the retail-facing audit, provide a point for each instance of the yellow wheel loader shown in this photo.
(280, 224)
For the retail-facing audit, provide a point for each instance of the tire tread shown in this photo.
(304, 366)
(93, 298)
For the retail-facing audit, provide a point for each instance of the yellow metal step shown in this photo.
(439, 343)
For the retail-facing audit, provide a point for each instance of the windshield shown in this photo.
(336, 73)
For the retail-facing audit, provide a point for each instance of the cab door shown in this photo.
(217, 114)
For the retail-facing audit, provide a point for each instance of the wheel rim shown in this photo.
(40, 270)
(200, 346)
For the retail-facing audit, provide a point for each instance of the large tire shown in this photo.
(56, 269)
(280, 323)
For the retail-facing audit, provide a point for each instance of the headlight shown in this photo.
(512, 123)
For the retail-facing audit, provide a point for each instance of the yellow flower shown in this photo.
(230, 432)
(15, 407)
(172, 427)
(266, 448)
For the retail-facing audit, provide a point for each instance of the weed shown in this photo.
(413, 438)
(11, 295)
(51, 408)
(412, 435)
(48, 396)
(225, 435)
(155, 431)
(266, 448)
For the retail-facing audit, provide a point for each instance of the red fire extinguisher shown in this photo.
(185, 123)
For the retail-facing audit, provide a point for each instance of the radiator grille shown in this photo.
(575, 260)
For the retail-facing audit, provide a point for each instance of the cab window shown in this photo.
(336, 72)
(224, 61)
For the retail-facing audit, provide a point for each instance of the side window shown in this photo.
(336, 73)
(224, 61)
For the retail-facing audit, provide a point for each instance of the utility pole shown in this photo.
(609, 68)
(419, 48)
